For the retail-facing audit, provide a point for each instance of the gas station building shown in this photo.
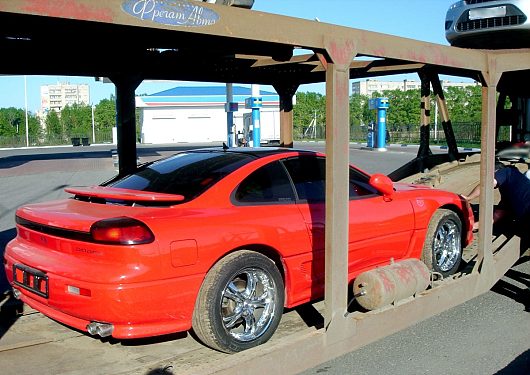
(197, 114)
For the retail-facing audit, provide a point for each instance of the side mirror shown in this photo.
(383, 184)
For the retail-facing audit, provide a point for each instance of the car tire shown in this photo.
(240, 302)
(442, 250)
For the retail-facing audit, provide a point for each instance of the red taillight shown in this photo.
(121, 231)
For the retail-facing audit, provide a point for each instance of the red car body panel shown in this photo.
(150, 289)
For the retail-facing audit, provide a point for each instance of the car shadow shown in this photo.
(14, 161)
(520, 365)
(516, 284)
(19, 160)
(520, 294)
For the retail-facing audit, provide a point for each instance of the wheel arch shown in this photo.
(271, 253)
(459, 212)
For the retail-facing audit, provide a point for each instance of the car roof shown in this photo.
(257, 152)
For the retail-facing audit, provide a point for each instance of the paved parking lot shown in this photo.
(487, 335)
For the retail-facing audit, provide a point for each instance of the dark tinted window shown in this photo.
(188, 173)
(309, 177)
(359, 184)
(269, 184)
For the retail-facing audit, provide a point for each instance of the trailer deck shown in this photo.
(195, 41)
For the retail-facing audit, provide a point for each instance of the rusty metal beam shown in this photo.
(126, 122)
(294, 60)
(446, 121)
(487, 164)
(341, 53)
(271, 30)
(286, 91)
(425, 116)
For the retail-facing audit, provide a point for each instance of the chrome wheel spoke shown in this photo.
(233, 293)
(230, 321)
(261, 301)
(252, 282)
(250, 324)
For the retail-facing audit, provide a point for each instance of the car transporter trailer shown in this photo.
(129, 41)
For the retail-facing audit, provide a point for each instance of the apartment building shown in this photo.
(370, 86)
(56, 97)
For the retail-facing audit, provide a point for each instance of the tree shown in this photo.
(404, 107)
(105, 115)
(359, 111)
(10, 121)
(76, 120)
(54, 128)
(307, 104)
(464, 103)
(13, 122)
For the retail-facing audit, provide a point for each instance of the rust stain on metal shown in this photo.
(441, 58)
(341, 53)
(67, 9)
(341, 92)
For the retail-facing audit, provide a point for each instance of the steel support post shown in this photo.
(425, 126)
(337, 182)
(446, 121)
(487, 168)
(126, 122)
(256, 118)
(286, 92)
(230, 116)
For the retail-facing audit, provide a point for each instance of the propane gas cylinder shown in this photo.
(385, 285)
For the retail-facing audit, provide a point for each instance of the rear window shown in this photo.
(188, 173)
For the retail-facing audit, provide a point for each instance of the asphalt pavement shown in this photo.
(487, 335)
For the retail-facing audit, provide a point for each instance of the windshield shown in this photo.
(188, 173)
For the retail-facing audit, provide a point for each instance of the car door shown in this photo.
(378, 230)
(266, 204)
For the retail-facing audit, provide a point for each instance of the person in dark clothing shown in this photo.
(514, 188)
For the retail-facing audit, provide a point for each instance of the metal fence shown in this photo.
(465, 133)
(38, 141)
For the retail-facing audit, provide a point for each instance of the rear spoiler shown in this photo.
(105, 192)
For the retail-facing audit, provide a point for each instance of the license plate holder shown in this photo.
(30, 279)
(482, 13)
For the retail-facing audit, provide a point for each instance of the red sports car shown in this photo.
(218, 241)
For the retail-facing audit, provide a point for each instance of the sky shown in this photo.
(416, 19)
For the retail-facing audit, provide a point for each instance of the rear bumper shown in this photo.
(135, 310)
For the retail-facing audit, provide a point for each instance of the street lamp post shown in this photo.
(93, 126)
(26, 105)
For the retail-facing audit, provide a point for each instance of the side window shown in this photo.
(359, 185)
(269, 184)
(309, 177)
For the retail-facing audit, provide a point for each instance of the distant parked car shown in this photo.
(218, 240)
(489, 24)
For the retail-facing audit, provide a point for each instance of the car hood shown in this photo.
(399, 186)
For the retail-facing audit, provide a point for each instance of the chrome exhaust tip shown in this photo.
(100, 329)
(16, 293)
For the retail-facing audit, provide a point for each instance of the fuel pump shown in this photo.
(380, 105)
(255, 103)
